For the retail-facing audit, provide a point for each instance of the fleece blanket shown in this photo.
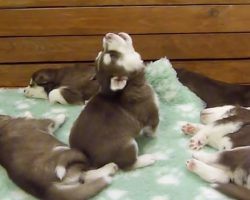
(168, 179)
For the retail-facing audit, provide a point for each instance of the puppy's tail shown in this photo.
(232, 190)
(77, 191)
(67, 158)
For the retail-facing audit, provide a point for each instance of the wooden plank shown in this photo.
(232, 71)
(142, 19)
(56, 3)
(151, 47)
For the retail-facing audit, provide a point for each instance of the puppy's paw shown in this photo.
(190, 129)
(191, 164)
(197, 142)
(144, 161)
(111, 169)
(60, 119)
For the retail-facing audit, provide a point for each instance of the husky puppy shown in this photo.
(125, 106)
(223, 128)
(67, 85)
(45, 167)
(215, 93)
(225, 168)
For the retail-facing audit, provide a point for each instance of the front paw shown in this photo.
(197, 142)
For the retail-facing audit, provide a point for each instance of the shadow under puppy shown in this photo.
(224, 127)
(213, 92)
(45, 167)
(125, 106)
(67, 85)
(225, 168)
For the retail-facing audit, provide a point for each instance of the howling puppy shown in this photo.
(215, 93)
(224, 167)
(223, 128)
(125, 107)
(68, 85)
(44, 166)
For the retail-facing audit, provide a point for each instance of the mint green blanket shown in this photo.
(168, 179)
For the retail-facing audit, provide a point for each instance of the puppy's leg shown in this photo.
(207, 172)
(50, 125)
(127, 158)
(144, 161)
(208, 158)
(55, 96)
(77, 191)
(213, 134)
(211, 115)
(107, 170)
(72, 96)
(191, 128)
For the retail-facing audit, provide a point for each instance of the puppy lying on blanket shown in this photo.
(45, 167)
(213, 92)
(223, 127)
(225, 167)
(126, 105)
(68, 85)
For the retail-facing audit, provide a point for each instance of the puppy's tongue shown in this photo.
(118, 83)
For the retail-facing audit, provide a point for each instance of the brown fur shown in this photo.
(213, 92)
(112, 119)
(26, 152)
(242, 136)
(79, 82)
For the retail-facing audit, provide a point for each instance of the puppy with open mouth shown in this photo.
(45, 167)
(67, 85)
(125, 107)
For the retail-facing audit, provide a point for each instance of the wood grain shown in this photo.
(56, 3)
(131, 19)
(151, 47)
(232, 71)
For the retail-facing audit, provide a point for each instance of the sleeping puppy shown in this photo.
(44, 166)
(223, 127)
(68, 85)
(215, 93)
(125, 106)
(224, 167)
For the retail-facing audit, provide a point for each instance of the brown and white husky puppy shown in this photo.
(45, 167)
(66, 85)
(224, 127)
(125, 106)
(229, 170)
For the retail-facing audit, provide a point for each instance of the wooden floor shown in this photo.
(207, 36)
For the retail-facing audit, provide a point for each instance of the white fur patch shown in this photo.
(210, 115)
(144, 161)
(55, 96)
(116, 84)
(35, 92)
(209, 173)
(60, 172)
(106, 59)
(122, 43)
(60, 148)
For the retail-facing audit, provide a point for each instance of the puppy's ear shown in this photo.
(118, 83)
(43, 78)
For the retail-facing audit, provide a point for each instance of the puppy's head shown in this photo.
(118, 63)
(41, 83)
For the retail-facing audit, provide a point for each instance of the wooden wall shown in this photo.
(208, 36)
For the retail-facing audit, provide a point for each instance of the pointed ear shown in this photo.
(118, 83)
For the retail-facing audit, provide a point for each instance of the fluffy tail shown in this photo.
(77, 191)
(232, 190)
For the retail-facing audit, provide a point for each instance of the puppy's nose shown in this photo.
(24, 90)
(109, 35)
